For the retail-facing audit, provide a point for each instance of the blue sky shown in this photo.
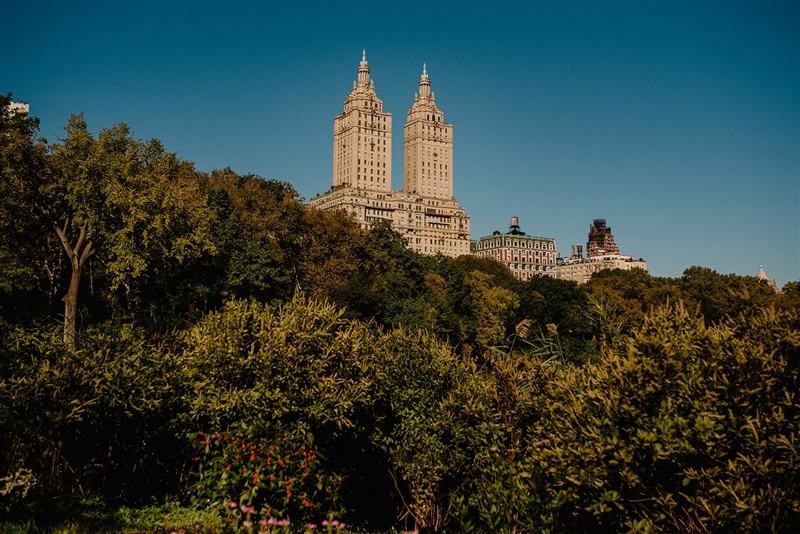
(677, 122)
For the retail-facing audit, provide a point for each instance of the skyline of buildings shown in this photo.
(584, 122)
(525, 256)
(602, 251)
(424, 212)
(530, 256)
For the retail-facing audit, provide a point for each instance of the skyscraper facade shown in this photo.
(428, 146)
(362, 138)
(425, 211)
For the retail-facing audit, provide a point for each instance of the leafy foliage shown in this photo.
(97, 419)
(294, 364)
(719, 296)
(323, 371)
(688, 428)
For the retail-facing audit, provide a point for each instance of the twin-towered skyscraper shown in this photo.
(424, 211)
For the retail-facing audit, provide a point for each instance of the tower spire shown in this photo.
(363, 70)
(424, 84)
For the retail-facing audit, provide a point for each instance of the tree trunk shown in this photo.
(71, 303)
(77, 255)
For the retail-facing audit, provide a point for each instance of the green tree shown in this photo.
(645, 292)
(156, 228)
(499, 273)
(256, 270)
(333, 248)
(127, 203)
(257, 236)
(449, 294)
(789, 298)
(389, 276)
(63, 205)
(545, 300)
(792, 287)
(30, 257)
(719, 296)
(619, 300)
(494, 307)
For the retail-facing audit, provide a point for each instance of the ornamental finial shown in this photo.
(364, 57)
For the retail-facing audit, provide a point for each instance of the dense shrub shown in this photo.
(396, 401)
(99, 419)
(427, 403)
(689, 428)
(297, 364)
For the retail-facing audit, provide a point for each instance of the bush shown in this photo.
(688, 428)
(275, 380)
(297, 363)
(97, 420)
(372, 402)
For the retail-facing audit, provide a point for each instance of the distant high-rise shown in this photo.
(425, 211)
(601, 253)
(17, 108)
(762, 275)
(428, 146)
(362, 138)
(601, 240)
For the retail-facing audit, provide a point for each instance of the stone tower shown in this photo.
(428, 147)
(362, 138)
(424, 212)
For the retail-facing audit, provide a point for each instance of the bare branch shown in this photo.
(63, 237)
(81, 237)
(87, 252)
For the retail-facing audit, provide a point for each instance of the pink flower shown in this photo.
(246, 524)
(231, 505)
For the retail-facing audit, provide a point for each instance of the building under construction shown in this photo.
(602, 252)
(601, 240)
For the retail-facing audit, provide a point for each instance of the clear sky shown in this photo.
(677, 122)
